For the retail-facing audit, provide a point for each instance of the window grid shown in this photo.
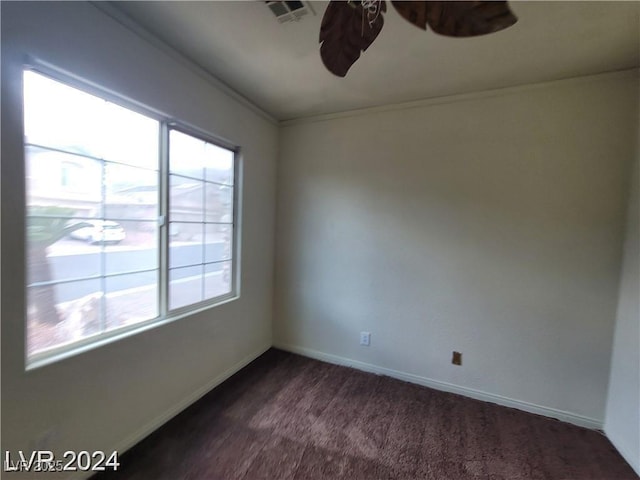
(84, 155)
(159, 228)
(93, 277)
(104, 293)
(203, 184)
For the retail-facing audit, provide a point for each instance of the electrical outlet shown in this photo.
(365, 339)
(457, 358)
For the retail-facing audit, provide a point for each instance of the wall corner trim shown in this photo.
(562, 415)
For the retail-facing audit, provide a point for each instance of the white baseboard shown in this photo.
(633, 459)
(562, 415)
(174, 410)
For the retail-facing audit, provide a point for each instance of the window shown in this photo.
(200, 219)
(130, 219)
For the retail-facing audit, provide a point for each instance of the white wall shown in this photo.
(622, 422)
(488, 224)
(108, 397)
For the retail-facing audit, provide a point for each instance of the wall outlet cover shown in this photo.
(457, 358)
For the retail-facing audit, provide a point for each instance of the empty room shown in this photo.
(320, 240)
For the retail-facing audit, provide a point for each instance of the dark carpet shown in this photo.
(288, 417)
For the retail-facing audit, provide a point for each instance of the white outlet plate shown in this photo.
(365, 338)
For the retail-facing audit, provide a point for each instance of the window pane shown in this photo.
(130, 192)
(61, 181)
(137, 251)
(63, 117)
(129, 137)
(63, 313)
(186, 155)
(186, 199)
(131, 299)
(218, 242)
(185, 232)
(218, 163)
(217, 279)
(60, 116)
(87, 216)
(219, 203)
(186, 247)
(201, 228)
(185, 286)
(52, 259)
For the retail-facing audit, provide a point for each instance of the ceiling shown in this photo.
(278, 67)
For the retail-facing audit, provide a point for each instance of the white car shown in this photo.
(100, 231)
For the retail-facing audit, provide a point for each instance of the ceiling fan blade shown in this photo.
(348, 29)
(468, 19)
(413, 12)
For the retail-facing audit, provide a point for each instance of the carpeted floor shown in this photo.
(289, 417)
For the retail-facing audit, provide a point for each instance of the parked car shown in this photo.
(100, 231)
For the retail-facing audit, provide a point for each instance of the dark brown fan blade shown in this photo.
(414, 12)
(346, 30)
(468, 19)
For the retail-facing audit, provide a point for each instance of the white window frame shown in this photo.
(165, 315)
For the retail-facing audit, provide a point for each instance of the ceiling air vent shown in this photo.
(290, 11)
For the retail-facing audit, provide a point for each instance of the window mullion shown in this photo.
(103, 258)
(163, 224)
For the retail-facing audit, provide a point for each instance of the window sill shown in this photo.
(54, 355)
